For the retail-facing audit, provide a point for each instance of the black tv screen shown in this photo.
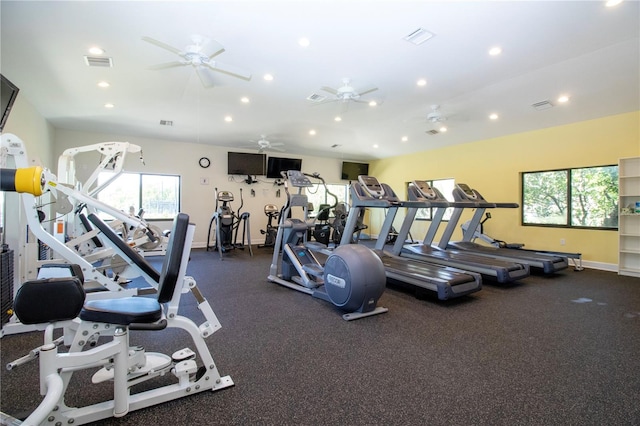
(351, 171)
(243, 163)
(8, 94)
(275, 165)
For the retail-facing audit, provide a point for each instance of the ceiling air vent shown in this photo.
(335, 145)
(316, 97)
(418, 36)
(166, 123)
(432, 132)
(95, 61)
(542, 105)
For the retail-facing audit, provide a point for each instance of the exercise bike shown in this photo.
(352, 277)
(226, 224)
(272, 212)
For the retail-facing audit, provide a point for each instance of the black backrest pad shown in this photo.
(173, 257)
(51, 299)
(135, 257)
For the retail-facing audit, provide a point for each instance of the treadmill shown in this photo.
(494, 269)
(538, 262)
(446, 282)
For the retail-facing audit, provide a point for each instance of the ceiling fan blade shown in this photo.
(167, 65)
(277, 149)
(229, 69)
(276, 144)
(163, 45)
(205, 78)
(372, 89)
(218, 48)
(329, 89)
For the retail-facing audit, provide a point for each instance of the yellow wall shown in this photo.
(493, 167)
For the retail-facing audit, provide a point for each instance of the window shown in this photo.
(445, 186)
(157, 195)
(317, 194)
(581, 198)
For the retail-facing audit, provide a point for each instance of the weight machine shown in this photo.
(88, 323)
(226, 225)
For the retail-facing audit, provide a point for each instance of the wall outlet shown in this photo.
(204, 181)
(562, 241)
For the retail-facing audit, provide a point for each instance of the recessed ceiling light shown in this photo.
(312, 132)
(493, 116)
(443, 129)
(304, 42)
(244, 100)
(404, 139)
(228, 119)
(373, 103)
(562, 99)
(375, 145)
(494, 51)
(103, 84)
(338, 118)
(421, 82)
(611, 3)
(268, 77)
(109, 105)
(95, 50)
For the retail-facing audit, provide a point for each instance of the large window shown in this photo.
(445, 186)
(581, 198)
(317, 194)
(157, 195)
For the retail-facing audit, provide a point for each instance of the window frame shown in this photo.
(568, 200)
(140, 190)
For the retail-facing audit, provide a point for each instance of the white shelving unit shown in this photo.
(629, 220)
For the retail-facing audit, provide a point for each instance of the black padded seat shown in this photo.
(123, 311)
(138, 311)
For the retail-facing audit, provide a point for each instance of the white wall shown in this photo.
(182, 159)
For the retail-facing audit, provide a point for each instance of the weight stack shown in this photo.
(6, 285)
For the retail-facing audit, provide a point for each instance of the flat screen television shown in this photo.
(8, 94)
(351, 171)
(243, 163)
(275, 165)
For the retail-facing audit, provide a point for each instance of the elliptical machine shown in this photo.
(272, 212)
(352, 278)
(227, 224)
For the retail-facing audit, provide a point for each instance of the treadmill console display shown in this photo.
(298, 179)
(468, 192)
(425, 189)
(371, 185)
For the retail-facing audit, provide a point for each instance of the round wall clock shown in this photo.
(204, 162)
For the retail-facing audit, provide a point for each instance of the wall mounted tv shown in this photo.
(275, 165)
(243, 163)
(8, 94)
(351, 171)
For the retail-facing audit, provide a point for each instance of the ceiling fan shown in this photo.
(436, 117)
(265, 145)
(346, 93)
(194, 55)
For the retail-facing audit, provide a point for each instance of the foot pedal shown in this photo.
(153, 362)
(183, 355)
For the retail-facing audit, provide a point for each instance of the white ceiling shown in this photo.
(579, 48)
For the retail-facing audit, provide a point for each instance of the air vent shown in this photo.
(542, 105)
(432, 132)
(95, 61)
(316, 98)
(335, 145)
(418, 36)
(166, 123)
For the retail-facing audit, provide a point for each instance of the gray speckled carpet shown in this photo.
(561, 350)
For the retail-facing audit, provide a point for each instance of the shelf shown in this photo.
(629, 226)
